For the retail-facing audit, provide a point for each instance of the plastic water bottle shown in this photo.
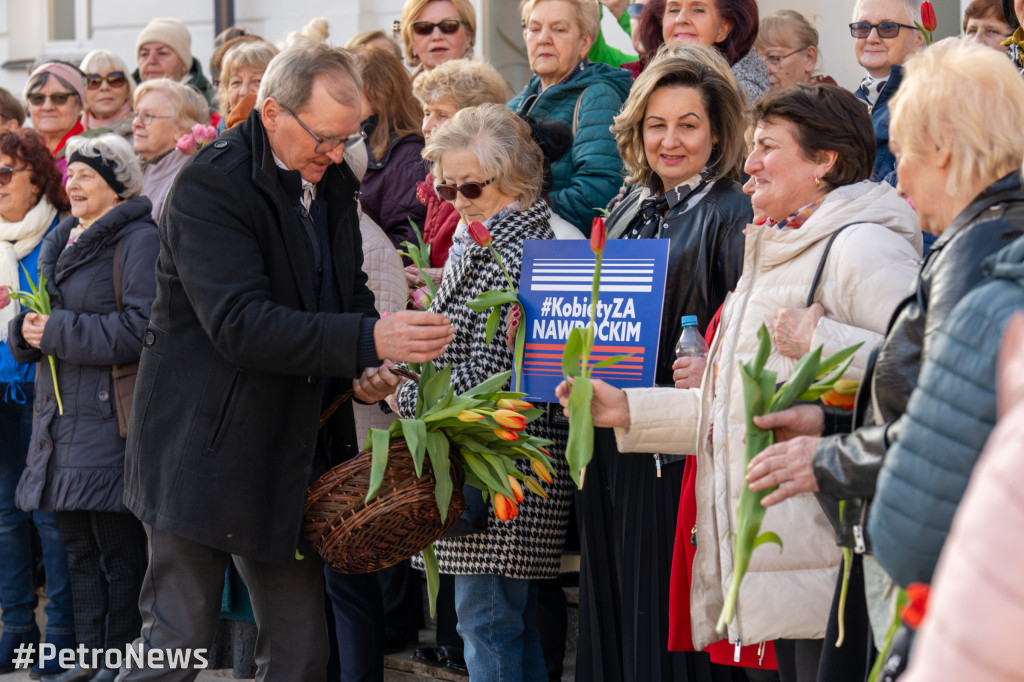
(691, 343)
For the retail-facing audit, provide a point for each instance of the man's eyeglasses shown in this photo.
(425, 28)
(775, 61)
(147, 118)
(886, 29)
(59, 99)
(115, 79)
(470, 190)
(325, 145)
(7, 174)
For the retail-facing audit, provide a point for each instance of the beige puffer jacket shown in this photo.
(870, 266)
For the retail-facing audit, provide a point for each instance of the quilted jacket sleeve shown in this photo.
(949, 417)
(594, 174)
(664, 420)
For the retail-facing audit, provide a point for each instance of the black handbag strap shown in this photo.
(821, 265)
(117, 278)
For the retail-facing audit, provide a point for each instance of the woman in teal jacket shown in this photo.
(585, 96)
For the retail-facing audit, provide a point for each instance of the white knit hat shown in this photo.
(172, 33)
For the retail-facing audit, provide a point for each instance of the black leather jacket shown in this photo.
(704, 260)
(846, 466)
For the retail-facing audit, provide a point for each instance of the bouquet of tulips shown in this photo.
(486, 427)
(812, 377)
(38, 301)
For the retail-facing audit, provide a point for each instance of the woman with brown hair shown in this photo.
(391, 126)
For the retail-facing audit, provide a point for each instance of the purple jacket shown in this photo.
(388, 191)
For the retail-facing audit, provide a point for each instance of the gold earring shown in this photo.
(817, 181)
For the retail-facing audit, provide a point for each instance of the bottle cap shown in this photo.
(689, 320)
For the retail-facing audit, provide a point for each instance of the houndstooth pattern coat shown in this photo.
(530, 545)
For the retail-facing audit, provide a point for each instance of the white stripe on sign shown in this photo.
(580, 287)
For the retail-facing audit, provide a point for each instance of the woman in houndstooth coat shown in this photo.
(487, 153)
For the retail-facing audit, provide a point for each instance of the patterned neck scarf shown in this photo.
(653, 206)
(872, 87)
(796, 220)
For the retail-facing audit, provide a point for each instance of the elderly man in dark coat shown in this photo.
(262, 315)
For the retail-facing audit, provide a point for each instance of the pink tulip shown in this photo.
(204, 134)
(187, 144)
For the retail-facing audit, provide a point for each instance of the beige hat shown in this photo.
(172, 33)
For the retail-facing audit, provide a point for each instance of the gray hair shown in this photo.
(289, 76)
(911, 7)
(502, 144)
(116, 152)
(188, 107)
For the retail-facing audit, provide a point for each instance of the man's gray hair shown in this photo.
(117, 153)
(289, 76)
(911, 7)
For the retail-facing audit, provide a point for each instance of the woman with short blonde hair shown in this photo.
(109, 92)
(241, 72)
(436, 31)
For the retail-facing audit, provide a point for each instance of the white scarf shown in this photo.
(18, 240)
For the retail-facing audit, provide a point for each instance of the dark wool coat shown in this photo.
(530, 545)
(76, 460)
(224, 427)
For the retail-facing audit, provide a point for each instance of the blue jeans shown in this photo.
(496, 624)
(17, 584)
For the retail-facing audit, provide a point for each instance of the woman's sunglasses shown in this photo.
(7, 174)
(115, 79)
(886, 29)
(58, 98)
(425, 28)
(470, 190)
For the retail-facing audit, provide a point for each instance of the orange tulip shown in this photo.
(467, 416)
(505, 435)
(917, 605)
(513, 404)
(517, 490)
(541, 470)
(504, 508)
(510, 420)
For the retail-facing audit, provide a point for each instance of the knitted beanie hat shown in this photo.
(172, 33)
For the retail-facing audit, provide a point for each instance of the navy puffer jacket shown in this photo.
(76, 460)
(949, 417)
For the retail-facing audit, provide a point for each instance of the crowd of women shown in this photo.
(719, 135)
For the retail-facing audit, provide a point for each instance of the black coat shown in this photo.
(223, 434)
(847, 466)
(704, 260)
(76, 460)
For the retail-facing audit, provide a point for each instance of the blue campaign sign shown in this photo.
(555, 289)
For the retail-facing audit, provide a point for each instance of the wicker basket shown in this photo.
(353, 537)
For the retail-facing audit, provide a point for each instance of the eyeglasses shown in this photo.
(886, 29)
(59, 99)
(7, 174)
(775, 61)
(635, 9)
(115, 79)
(470, 190)
(425, 28)
(147, 118)
(325, 145)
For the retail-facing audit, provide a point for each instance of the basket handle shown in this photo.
(340, 400)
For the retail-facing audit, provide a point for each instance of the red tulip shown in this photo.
(480, 234)
(598, 236)
(504, 508)
(517, 490)
(928, 19)
(917, 604)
